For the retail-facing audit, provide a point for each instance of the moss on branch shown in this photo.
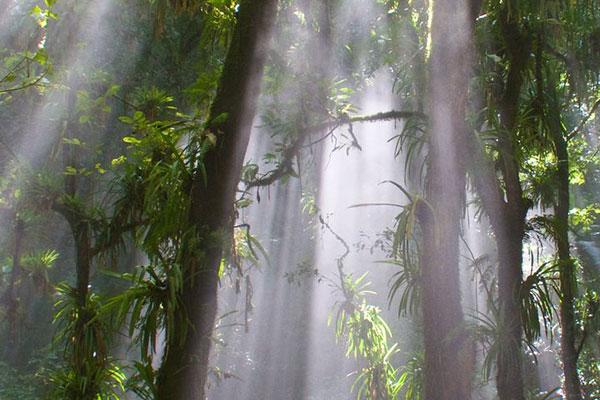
(285, 166)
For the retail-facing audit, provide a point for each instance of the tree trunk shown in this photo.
(569, 356)
(80, 231)
(506, 207)
(508, 222)
(184, 370)
(80, 228)
(509, 380)
(449, 354)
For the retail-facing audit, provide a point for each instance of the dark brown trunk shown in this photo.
(78, 223)
(448, 350)
(80, 231)
(507, 221)
(509, 227)
(569, 356)
(185, 365)
(506, 208)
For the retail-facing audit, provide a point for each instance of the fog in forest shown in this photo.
(299, 199)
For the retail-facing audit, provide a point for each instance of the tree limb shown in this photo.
(285, 166)
(581, 125)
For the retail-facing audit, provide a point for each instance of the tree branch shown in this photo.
(285, 166)
(581, 125)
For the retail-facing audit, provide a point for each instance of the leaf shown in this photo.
(118, 160)
(114, 89)
(219, 119)
(74, 141)
(70, 171)
(126, 120)
(131, 140)
(99, 168)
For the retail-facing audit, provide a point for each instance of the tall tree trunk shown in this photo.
(507, 221)
(569, 356)
(184, 370)
(507, 208)
(509, 380)
(448, 353)
(510, 228)
(78, 223)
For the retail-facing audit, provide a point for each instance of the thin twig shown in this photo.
(340, 260)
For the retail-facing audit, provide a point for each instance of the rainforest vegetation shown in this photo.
(299, 199)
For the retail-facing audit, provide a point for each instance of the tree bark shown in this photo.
(78, 223)
(569, 354)
(506, 207)
(183, 373)
(510, 228)
(566, 266)
(449, 354)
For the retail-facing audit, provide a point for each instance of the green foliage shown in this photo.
(406, 282)
(584, 217)
(153, 102)
(41, 15)
(537, 301)
(37, 266)
(21, 384)
(537, 305)
(150, 305)
(405, 253)
(402, 245)
(92, 108)
(412, 376)
(149, 184)
(22, 70)
(366, 337)
(151, 194)
(590, 374)
(220, 16)
(489, 331)
(89, 374)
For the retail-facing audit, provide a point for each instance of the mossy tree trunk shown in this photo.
(568, 353)
(183, 373)
(566, 266)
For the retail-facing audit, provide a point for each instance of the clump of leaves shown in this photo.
(537, 306)
(89, 372)
(16, 384)
(37, 265)
(366, 337)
